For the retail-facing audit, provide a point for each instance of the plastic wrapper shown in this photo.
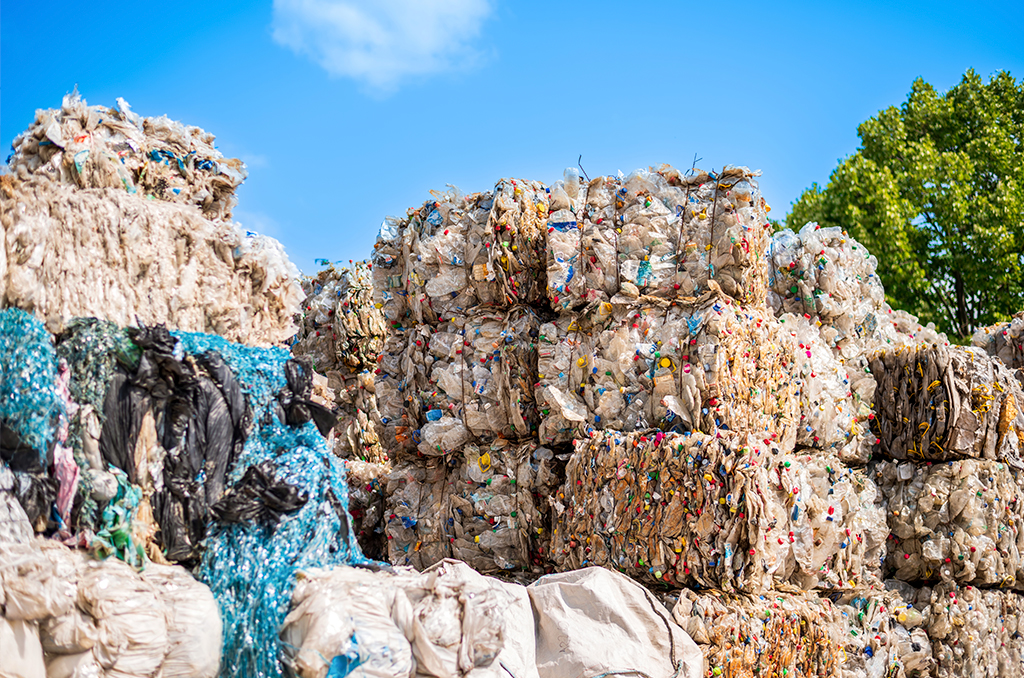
(941, 403)
(487, 506)
(111, 255)
(656, 232)
(21, 650)
(366, 485)
(956, 521)
(702, 366)
(342, 329)
(1004, 340)
(732, 511)
(15, 527)
(470, 377)
(99, 147)
(594, 622)
(446, 622)
(456, 252)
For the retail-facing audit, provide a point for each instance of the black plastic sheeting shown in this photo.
(201, 420)
(296, 407)
(259, 496)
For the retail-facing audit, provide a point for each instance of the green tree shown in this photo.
(936, 193)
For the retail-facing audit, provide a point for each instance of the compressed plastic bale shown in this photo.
(469, 377)
(974, 632)
(833, 416)
(20, 649)
(111, 255)
(357, 433)
(342, 330)
(1003, 340)
(731, 511)
(99, 147)
(658, 232)
(446, 622)
(776, 633)
(366, 492)
(596, 622)
(456, 252)
(487, 506)
(703, 365)
(955, 521)
(193, 623)
(941, 403)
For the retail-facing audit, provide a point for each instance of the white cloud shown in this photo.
(381, 42)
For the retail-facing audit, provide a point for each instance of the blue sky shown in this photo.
(346, 112)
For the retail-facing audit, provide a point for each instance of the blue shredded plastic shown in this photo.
(29, 403)
(250, 568)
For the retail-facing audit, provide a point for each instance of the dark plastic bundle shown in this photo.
(250, 566)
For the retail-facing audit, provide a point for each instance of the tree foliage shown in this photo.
(936, 192)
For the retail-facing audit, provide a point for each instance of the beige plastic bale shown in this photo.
(156, 158)
(470, 377)
(341, 329)
(956, 521)
(194, 632)
(107, 254)
(446, 622)
(366, 490)
(595, 622)
(702, 365)
(974, 632)
(455, 253)
(732, 511)
(487, 506)
(656, 232)
(942, 403)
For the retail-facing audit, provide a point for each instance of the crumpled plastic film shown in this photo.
(701, 366)
(731, 511)
(105, 253)
(940, 403)
(448, 622)
(456, 252)
(487, 506)
(1004, 340)
(30, 407)
(954, 521)
(15, 527)
(341, 330)
(469, 377)
(100, 147)
(102, 618)
(657, 232)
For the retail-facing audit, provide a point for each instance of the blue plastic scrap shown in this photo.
(29, 403)
(250, 568)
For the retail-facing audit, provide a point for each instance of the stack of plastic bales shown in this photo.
(110, 215)
(140, 446)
